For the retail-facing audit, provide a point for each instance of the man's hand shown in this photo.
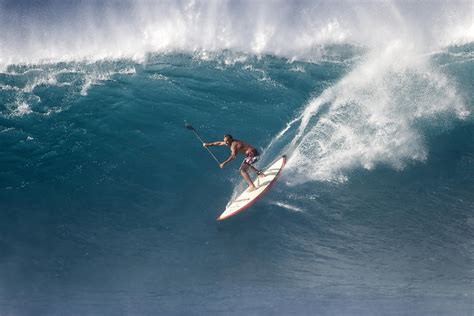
(205, 145)
(222, 165)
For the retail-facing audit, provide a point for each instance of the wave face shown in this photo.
(108, 204)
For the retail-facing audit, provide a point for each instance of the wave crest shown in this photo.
(374, 115)
(94, 30)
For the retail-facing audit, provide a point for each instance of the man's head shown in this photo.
(228, 139)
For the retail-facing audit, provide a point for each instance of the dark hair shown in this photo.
(228, 136)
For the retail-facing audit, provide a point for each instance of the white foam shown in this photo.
(8, 87)
(22, 108)
(287, 206)
(158, 77)
(87, 31)
(372, 117)
(298, 68)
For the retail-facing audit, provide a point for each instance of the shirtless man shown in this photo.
(236, 146)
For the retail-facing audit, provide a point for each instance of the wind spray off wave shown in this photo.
(376, 115)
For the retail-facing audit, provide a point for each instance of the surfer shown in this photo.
(251, 156)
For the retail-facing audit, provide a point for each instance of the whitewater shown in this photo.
(108, 204)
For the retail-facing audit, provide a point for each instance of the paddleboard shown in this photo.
(263, 184)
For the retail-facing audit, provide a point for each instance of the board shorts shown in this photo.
(251, 157)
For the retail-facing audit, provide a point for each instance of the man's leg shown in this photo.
(259, 173)
(245, 175)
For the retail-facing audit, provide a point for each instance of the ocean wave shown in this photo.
(22, 85)
(87, 31)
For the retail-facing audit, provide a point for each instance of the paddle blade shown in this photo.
(188, 126)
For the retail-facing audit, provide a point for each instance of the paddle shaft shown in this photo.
(202, 141)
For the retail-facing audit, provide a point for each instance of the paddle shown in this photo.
(202, 141)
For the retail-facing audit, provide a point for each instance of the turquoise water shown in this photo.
(108, 204)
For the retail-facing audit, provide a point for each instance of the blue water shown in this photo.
(108, 204)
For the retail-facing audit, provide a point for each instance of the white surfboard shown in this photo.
(263, 184)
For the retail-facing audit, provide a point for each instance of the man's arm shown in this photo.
(214, 144)
(231, 157)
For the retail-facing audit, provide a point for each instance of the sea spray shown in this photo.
(374, 116)
(56, 31)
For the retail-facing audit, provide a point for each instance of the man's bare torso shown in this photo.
(240, 147)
